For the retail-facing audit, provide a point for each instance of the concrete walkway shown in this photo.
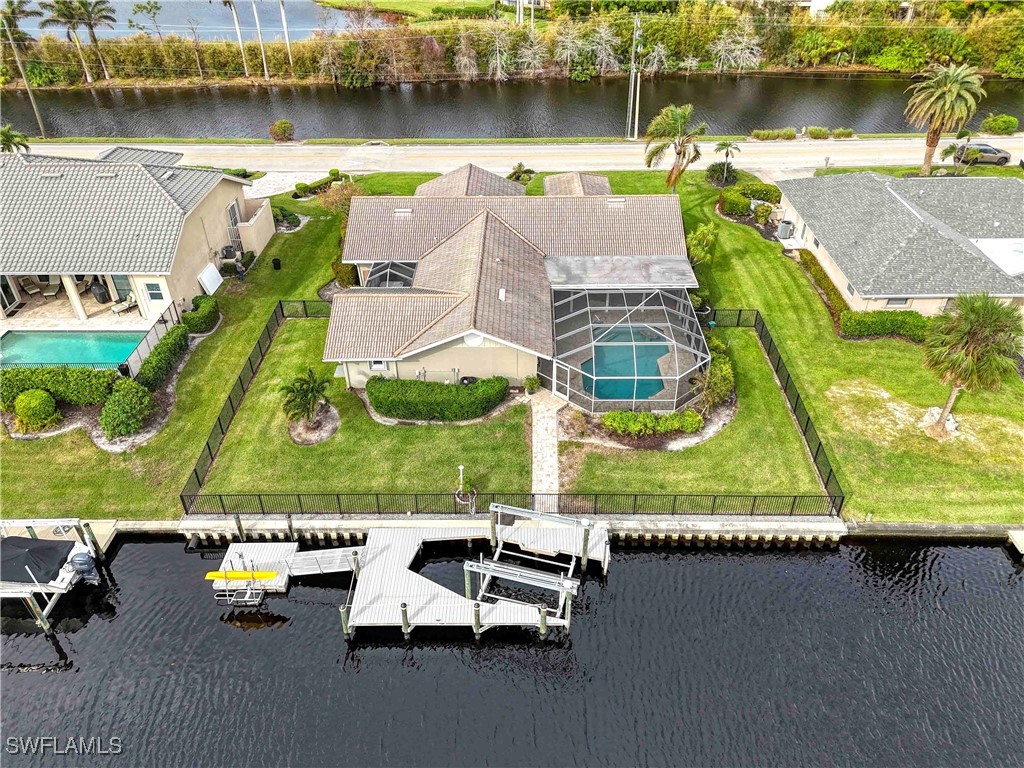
(545, 441)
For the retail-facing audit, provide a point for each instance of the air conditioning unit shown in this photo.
(227, 252)
(785, 230)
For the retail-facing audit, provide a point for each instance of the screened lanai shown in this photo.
(624, 349)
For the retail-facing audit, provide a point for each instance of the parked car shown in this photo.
(986, 154)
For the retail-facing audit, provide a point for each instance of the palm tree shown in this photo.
(259, 35)
(287, 41)
(67, 14)
(671, 128)
(14, 11)
(303, 395)
(974, 346)
(96, 13)
(945, 100)
(730, 148)
(12, 140)
(238, 31)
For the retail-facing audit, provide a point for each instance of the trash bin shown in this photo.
(277, 264)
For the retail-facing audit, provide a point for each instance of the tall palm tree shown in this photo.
(730, 148)
(287, 41)
(303, 395)
(673, 128)
(67, 14)
(259, 35)
(96, 13)
(238, 31)
(14, 11)
(12, 140)
(944, 100)
(973, 346)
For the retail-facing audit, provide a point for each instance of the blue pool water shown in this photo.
(617, 359)
(60, 347)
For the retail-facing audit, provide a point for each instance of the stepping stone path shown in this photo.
(545, 441)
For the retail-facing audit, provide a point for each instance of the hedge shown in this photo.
(757, 190)
(433, 401)
(771, 134)
(162, 359)
(834, 299)
(1000, 125)
(35, 409)
(762, 212)
(203, 316)
(733, 203)
(126, 409)
(817, 132)
(644, 424)
(74, 386)
(885, 322)
(842, 133)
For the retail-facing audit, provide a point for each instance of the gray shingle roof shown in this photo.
(73, 216)
(912, 237)
(139, 155)
(370, 324)
(469, 181)
(577, 184)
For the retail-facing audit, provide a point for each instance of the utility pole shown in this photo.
(24, 79)
(632, 73)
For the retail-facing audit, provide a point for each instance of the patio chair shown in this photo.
(83, 285)
(30, 286)
(50, 290)
(123, 306)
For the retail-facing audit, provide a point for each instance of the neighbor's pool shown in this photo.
(616, 354)
(68, 347)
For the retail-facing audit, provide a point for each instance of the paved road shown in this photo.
(778, 158)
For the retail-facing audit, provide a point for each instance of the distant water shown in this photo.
(875, 655)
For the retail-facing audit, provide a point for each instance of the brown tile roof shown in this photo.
(469, 181)
(576, 184)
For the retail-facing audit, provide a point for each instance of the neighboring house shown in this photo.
(587, 291)
(576, 184)
(912, 243)
(79, 237)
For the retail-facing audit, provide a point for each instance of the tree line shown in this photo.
(584, 40)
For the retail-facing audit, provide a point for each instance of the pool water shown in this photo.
(623, 358)
(68, 347)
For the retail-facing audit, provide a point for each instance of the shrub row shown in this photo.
(469, 12)
(642, 424)
(758, 190)
(314, 186)
(885, 322)
(287, 217)
(771, 134)
(732, 203)
(165, 355)
(74, 386)
(834, 299)
(126, 409)
(1000, 125)
(842, 133)
(718, 382)
(817, 132)
(203, 316)
(34, 409)
(433, 401)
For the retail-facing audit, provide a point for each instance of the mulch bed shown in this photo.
(767, 231)
(323, 428)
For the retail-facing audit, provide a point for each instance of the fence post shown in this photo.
(238, 522)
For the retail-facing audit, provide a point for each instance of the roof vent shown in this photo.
(167, 174)
(616, 201)
(501, 294)
(52, 174)
(106, 175)
(403, 211)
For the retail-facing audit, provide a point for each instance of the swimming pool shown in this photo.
(624, 351)
(100, 348)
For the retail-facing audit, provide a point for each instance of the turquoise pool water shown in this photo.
(623, 358)
(66, 347)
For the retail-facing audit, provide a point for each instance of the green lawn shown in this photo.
(416, 9)
(1011, 171)
(258, 455)
(760, 451)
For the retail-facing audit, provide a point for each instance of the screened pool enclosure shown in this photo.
(624, 350)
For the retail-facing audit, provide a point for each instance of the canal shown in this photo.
(540, 108)
(877, 654)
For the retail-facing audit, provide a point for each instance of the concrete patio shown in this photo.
(58, 314)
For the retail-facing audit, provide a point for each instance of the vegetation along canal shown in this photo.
(538, 108)
(875, 654)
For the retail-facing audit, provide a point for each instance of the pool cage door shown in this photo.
(560, 380)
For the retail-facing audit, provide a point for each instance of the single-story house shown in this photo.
(129, 230)
(913, 243)
(586, 291)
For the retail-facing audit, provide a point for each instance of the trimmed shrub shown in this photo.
(715, 345)
(241, 173)
(204, 314)
(35, 409)
(687, 422)
(1001, 125)
(774, 134)
(74, 386)
(884, 322)
(757, 190)
(733, 203)
(469, 12)
(715, 172)
(700, 244)
(817, 132)
(842, 133)
(282, 130)
(334, 173)
(433, 401)
(344, 273)
(834, 299)
(301, 189)
(165, 355)
(762, 212)
(126, 409)
(630, 423)
(717, 383)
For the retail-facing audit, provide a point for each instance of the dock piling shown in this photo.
(238, 525)
(93, 542)
(406, 629)
(543, 621)
(476, 620)
(494, 528)
(37, 614)
(31, 532)
(355, 564)
(344, 621)
(469, 586)
(586, 544)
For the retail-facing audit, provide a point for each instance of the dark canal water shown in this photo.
(874, 655)
(730, 105)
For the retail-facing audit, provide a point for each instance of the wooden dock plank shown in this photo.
(260, 556)
(1017, 540)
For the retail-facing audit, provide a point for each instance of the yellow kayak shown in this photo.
(241, 575)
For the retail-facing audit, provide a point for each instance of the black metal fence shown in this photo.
(197, 503)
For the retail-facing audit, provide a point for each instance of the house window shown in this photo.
(155, 291)
(896, 302)
(378, 365)
(816, 243)
(849, 289)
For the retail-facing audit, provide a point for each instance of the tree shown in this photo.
(15, 11)
(238, 32)
(499, 56)
(605, 45)
(147, 10)
(66, 13)
(287, 40)
(974, 346)
(465, 59)
(944, 100)
(97, 13)
(736, 49)
(673, 128)
(259, 37)
(656, 60)
(569, 44)
(532, 53)
(12, 140)
(729, 148)
(304, 394)
(193, 27)
(968, 157)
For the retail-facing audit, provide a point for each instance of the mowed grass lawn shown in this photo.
(258, 455)
(760, 451)
(1010, 171)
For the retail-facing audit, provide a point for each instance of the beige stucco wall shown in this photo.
(256, 232)
(150, 308)
(452, 361)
